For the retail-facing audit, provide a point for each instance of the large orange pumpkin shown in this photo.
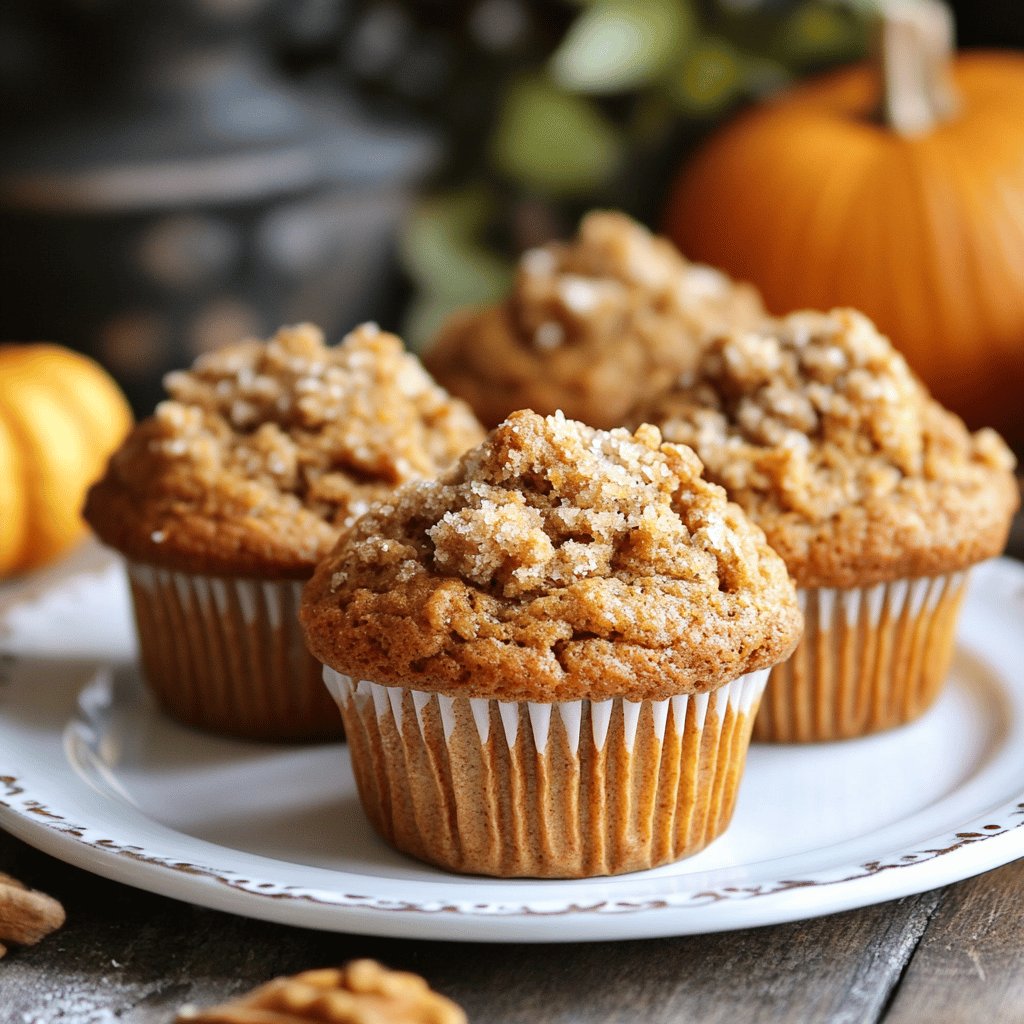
(61, 416)
(897, 187)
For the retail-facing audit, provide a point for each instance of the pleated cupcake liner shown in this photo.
(564, 790)
(871, 658)
(227, 655)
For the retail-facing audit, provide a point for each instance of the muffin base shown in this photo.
(871, 658)
(227, 655)
(565, 790)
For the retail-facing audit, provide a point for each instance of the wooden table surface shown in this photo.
(945, 957)
(948, 956)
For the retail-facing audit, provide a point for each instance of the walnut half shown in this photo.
(26, 916)
(362, 992)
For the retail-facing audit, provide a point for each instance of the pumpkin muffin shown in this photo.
(590, 326)
(224, 500)
(878, 499)
(548, 660)
(362, 992)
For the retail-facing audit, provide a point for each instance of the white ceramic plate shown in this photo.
(91, 773)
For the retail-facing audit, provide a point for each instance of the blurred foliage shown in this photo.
(604, 117)
(617, 45)
(441, 252)
(552, 141)
(550, 107)
(709, 75)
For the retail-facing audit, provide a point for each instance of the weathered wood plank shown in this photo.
(136, 957)
(836, 969)
(969, 965)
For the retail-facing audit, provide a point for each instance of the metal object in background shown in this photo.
(172, 192)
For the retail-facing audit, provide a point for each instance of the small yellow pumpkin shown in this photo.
(895, 186)
(61, 416)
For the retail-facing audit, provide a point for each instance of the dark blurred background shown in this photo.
(175, 174)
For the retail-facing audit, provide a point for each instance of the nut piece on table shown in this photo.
(362, 992)
(26, 916)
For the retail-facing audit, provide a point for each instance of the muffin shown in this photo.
(590, 326)
(224, 500)
(878, 499)
(548, 660)
(362, 992)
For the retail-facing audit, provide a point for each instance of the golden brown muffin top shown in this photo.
(555, 562)
(362, 992)
(266, 449)
(590, 326)
(818, 428)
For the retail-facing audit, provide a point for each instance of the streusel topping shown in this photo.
(817, 418)
(362, 992)
(590, 326)
(555, 561)
(286, 441)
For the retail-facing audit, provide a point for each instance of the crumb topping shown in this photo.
(547, 535)
(362, 992)
(548, 502)
(292, 429)
(615, 274)
(590, 325)
(315, 422)
(816, 415)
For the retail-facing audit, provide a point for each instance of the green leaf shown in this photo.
(815, 33)
(617, 45)
(461, 274)
(452, 270)
(554, 142)
(439, 224)
(711, 75)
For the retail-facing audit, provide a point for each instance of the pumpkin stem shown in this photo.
(915, 44)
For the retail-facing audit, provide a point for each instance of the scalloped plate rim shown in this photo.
(931, 862)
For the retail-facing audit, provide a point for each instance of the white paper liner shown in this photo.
(547, 790)
(742, 694)
(871, 658)
(227, 654)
